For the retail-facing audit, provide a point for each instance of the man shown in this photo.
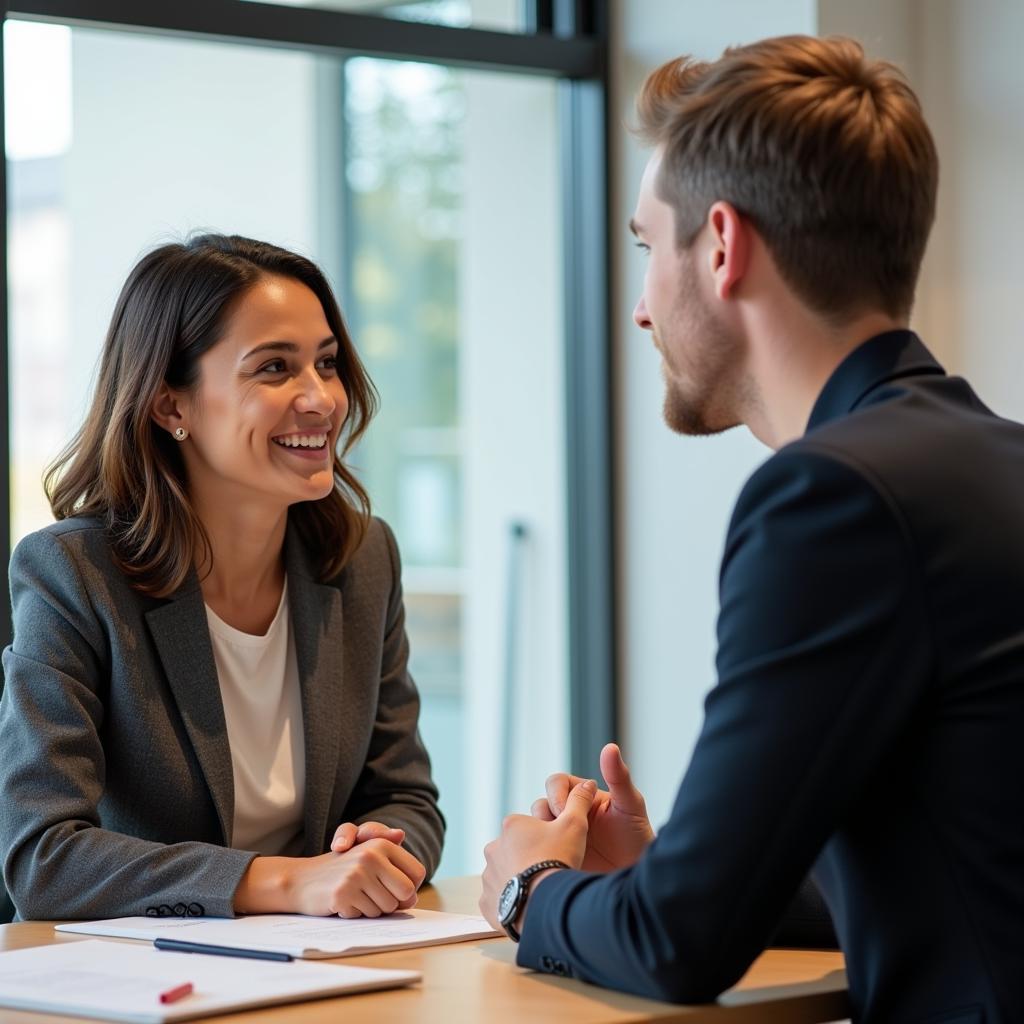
(869, 712)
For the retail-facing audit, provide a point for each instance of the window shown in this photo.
(432, 196)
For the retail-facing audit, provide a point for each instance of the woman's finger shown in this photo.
(344, 837)
(377, 830)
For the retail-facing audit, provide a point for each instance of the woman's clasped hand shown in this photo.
(367, 873)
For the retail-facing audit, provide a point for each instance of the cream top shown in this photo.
(259, 687)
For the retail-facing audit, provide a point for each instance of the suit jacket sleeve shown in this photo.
(823, 651)
(395, 786)
(57, 859)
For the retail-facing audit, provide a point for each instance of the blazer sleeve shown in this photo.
(58, 860)
(395, 786)
(823, 652)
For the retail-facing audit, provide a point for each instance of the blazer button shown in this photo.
(152, 912)
(561, 969)
(165, 911)
(547, 964)
(195, 910)
(180, 910)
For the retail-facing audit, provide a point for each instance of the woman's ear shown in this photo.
(168, 411)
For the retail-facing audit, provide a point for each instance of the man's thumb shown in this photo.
(623, 793)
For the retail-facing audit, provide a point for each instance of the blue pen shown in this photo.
(180, 946)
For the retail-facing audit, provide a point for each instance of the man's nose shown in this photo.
(640, 317)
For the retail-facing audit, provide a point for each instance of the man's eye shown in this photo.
(643, 247)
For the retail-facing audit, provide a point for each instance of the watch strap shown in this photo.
(525, 877)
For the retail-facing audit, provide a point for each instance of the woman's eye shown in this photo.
(328, 363)
(644, 248)
(274, 366)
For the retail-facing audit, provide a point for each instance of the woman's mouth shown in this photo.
(311, 447)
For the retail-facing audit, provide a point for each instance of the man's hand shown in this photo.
(525, 841)
(619, 827)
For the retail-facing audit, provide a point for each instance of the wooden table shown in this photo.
(478, 981)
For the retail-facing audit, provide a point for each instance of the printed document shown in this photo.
(308, 938)
(120, 981)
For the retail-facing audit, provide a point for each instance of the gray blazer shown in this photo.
(116, 788)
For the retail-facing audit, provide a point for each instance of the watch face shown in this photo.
(507, 901)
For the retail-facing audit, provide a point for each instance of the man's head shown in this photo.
(823, 154)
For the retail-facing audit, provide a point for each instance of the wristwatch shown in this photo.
(513, 896)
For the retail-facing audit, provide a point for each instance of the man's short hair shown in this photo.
(825, 152)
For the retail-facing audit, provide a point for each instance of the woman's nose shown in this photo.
(314, 395)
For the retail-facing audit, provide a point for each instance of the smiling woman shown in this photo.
(207, 700)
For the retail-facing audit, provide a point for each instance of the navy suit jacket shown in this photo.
(868, 721)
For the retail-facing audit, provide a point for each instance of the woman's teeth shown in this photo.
(302, 441)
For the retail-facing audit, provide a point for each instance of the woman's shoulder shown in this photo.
(71, 532)
(82, 540)
(72, 565)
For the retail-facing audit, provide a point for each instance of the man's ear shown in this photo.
(729, 252)
(168, 410)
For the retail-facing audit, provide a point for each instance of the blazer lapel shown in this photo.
(316, 614)
(182, 637)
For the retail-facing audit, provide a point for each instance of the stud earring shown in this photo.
(180, 433)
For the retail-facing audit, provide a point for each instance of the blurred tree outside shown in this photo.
(402, 166)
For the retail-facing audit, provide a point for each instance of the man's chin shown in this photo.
(692, 420)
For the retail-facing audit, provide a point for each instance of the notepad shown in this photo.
(308, 938)
(120, 981)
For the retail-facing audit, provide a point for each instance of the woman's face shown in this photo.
(265, 416)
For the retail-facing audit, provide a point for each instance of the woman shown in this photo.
(207, 708)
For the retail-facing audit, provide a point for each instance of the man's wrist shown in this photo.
(520, 921)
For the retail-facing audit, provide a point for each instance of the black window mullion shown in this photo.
(538, 16)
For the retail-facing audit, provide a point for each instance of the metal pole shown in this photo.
(517, 536)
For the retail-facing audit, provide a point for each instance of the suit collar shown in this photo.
(182, 637)
(878, 360)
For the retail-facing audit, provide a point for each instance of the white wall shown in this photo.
(971, 81)
(675, 494)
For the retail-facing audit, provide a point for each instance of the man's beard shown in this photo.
(702, 380)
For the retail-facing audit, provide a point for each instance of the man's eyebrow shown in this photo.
(635, 228)
(286, 346)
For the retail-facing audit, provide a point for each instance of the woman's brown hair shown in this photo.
(825, 152)
(125, 470)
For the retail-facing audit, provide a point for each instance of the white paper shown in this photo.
(309, 938)
(119, 981)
